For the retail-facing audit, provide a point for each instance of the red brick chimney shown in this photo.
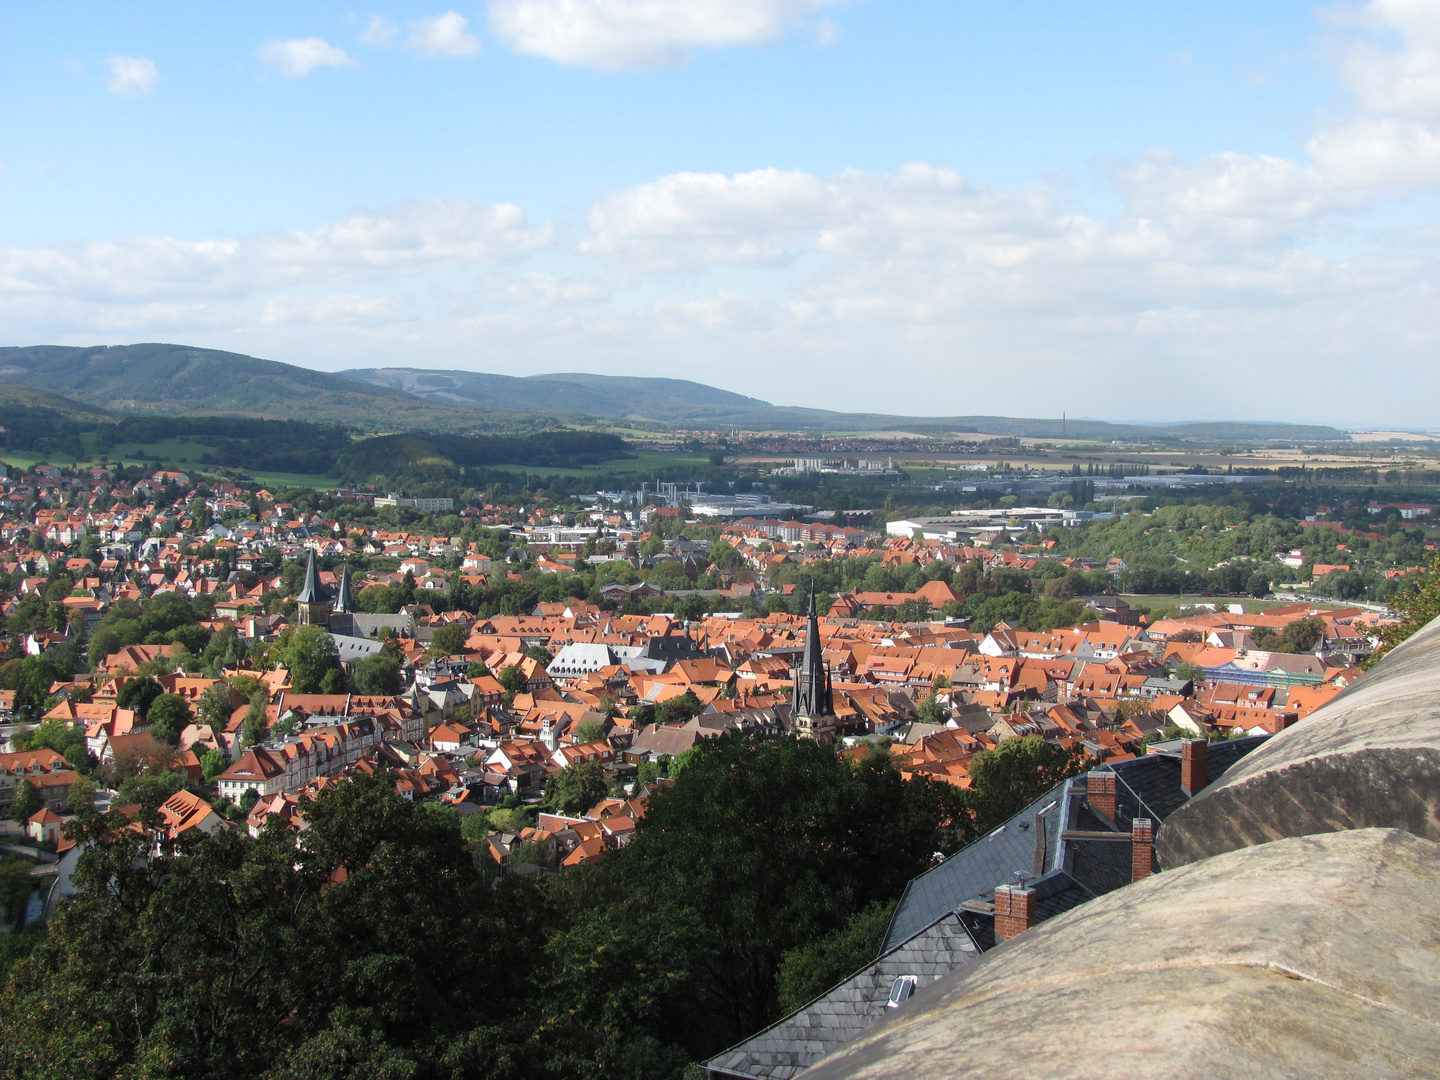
(1015, 908)
(1100, 793)
(1194, 765)
(1142, 848)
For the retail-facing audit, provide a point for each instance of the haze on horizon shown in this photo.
(863, 205)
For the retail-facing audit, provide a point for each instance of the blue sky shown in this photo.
(1137, 212)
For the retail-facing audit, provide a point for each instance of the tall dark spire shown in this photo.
(812, 682)
(343, 603)
(310, 592)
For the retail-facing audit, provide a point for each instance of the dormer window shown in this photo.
(900, 990)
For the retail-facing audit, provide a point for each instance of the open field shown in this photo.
(1064, 458)
(644, 465)
(1252, 606)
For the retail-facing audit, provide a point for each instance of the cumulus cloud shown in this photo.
(443, 35)
(406, 239)
(131, 76)
(615, 35)
(379, 31)
(1392, 140)
(300, 56)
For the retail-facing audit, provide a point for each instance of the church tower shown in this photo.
(813, 709)
(312, 604)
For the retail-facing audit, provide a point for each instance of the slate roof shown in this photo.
(1147, 786)
(974, 871)
(836, 1017)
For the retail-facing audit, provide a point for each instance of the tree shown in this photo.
(16, 885)
(257, 720)
(168, 716)
(150, 789)
(1009, 778)
(678, 710)
(138, 694)
(213, 764)
(590, 731)
(27, 802)
(932, 712)
(1190, 673)
(449, 640)
(378, 674)
(33, 680)
(807, 972)
(1302, 635)
(308, 655)
(214, 707)
(512, 679)
(785, 840)
(1416, 609)
(54, 734)
(81, 799)
(574, 790)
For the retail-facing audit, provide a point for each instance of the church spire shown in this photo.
(343, 603)
(813, 708)
(310, 591)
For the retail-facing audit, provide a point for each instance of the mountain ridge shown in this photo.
(166, 379)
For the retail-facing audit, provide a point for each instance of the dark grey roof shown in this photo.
(310, 593)
(344, 604)
(974, 871)
(836, 1017)
(1146, 786)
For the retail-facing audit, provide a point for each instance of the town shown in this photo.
(206, 653)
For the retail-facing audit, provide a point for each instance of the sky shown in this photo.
(927, 207)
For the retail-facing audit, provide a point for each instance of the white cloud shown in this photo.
(300, 56)
(406, 239)
(688, 221)
(617, 35)
(443, 35)
(131, 76)
(1393, 138)
(346, 309)
(379, 31)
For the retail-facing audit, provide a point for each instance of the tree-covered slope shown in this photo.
(174, 379)
(680, 402)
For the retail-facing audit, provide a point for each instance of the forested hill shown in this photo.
(679, 402)
(177, 379)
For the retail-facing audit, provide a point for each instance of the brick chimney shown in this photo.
(1015, 908)
(1194, 765)
(1100, 793)
(1142, 848)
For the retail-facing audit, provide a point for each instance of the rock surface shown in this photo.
(1310, 957)
(1368, 759)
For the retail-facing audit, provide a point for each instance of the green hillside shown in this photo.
(665, 401)
(177, 379)
(173, 380)
(682, 403)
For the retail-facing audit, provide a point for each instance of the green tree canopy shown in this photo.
(309, 655)
(573, 790)
(378, 674)
(168, 716)
(449, 640)
(26, 802)
(138, 693)
(1009, 778)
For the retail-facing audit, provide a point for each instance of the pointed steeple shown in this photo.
(343, 603)
(812, 682)
(310, 592)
